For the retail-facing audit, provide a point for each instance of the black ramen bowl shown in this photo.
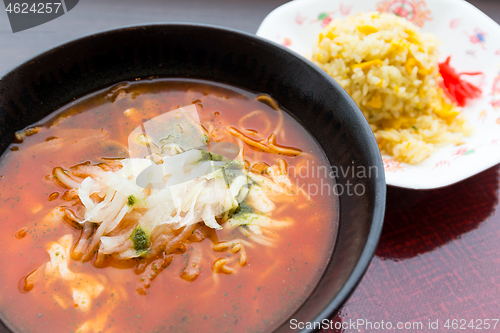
(40, 85)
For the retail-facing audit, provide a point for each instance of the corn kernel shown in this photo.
(446, 112)
(399, 46)
(331, 35)
(410, 64)
(412, 38)
(375, 102)
(367, 29)
(368, 64)
(393, 123)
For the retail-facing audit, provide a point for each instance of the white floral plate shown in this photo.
(468, 35)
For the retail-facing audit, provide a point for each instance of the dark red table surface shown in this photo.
(438, 259)
(439, 254)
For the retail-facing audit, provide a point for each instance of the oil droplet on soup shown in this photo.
(163, 205)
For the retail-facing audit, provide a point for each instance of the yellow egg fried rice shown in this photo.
(391, 71)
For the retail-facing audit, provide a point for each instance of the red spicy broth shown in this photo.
(255, 297)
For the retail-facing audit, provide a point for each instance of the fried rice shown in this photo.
(391, 71)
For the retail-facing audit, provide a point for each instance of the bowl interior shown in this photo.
(39, 86)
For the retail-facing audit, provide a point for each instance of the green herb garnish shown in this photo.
(131, 200)
(140, 240)
(208, 156)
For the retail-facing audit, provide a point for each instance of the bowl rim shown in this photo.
(379, 183)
